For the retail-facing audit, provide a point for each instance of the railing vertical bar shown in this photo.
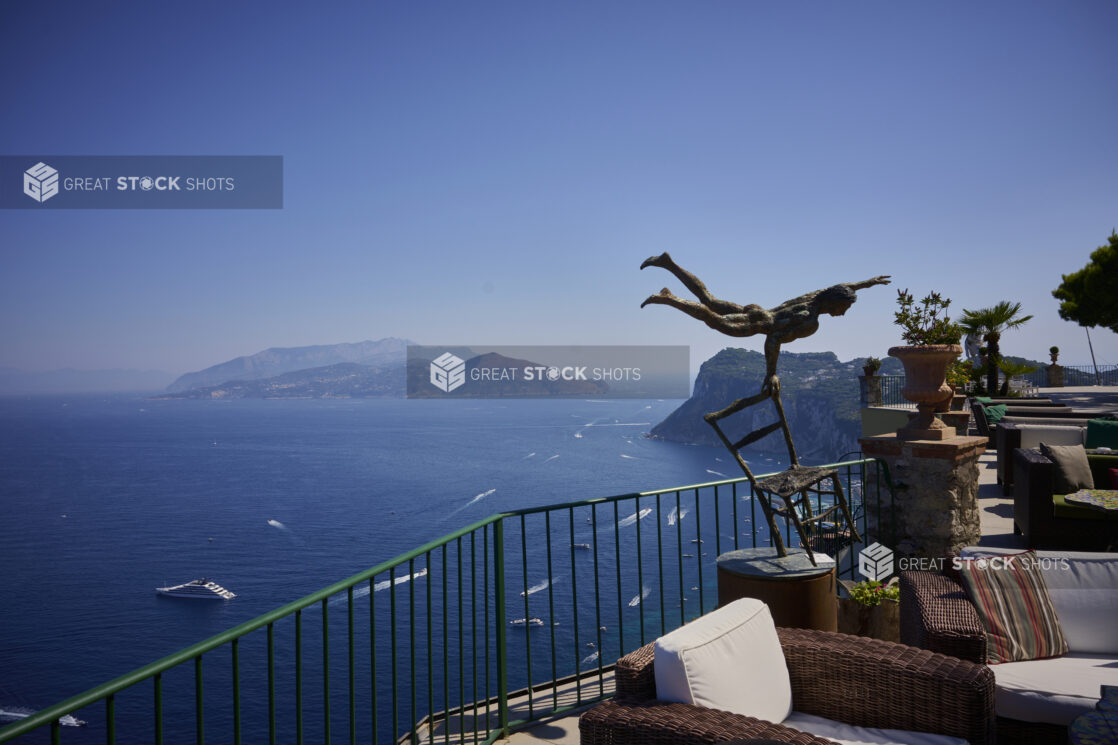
(56, 732)
(236, 692)
(640, 572)
(446, 653)
(395, 647)
(430, 651)
(617, 562)
(199, 714)
(299, 676)
(574, 600)
(461, 647)
(271, 684)
(699, 550)
(660, 563)
(325, 672)
(753, 516)
(551, 613)
(499, 625)
(679, 555)
(717, 525)
(110, 719)
(158, 680)
(373, 655)
(486, 624)
(734, 502)
(473, 628)
(527, 615)
(411, 649)
(352, 672)
(597, 597)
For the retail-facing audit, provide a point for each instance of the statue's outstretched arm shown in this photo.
(879, 280)
(692, 283)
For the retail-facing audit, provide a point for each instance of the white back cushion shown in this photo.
(729, 659)
(1032, 435)
(1084, 591)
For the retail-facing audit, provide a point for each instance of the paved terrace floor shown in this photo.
(997, 530)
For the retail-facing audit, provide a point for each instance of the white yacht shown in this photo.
(200, 588)
(524, 622)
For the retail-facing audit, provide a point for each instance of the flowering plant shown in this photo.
(922, 322)
(872, 592)
(960, 372)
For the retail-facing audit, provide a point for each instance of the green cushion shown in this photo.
(1061, 508)
(994, 413)
(1102, 433)
(983, 400)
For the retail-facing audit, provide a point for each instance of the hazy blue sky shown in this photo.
(495, 172)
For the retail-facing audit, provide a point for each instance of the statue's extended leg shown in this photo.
(692, 283)
(695, 310)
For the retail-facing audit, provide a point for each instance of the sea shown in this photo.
(104, 498)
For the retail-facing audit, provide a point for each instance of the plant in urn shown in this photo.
(933, 342)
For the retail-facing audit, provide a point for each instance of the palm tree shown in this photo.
(989, 323)
(1011, 370)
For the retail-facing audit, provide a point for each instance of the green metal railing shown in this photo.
(519, 616)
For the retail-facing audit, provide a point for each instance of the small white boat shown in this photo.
(201, 589)
(582, 546)
(526, 622)
(66, 720)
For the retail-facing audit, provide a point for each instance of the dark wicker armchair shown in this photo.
(860, 681)
(937, 616)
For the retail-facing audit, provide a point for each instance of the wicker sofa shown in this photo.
(936, 615)
(1024, 413)
(860, 681)
(1045, 520)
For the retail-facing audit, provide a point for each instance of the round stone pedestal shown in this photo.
(798, 594)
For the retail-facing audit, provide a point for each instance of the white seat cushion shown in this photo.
(729, 659)
(1056, 690)
(851, 735)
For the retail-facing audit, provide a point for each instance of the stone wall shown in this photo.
(936, 493)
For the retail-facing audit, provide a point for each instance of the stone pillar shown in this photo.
(936, 493)
(871, 390)
(1055, 376)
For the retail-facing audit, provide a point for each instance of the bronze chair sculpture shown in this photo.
(794, 319)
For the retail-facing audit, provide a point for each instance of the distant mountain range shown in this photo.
(278, 360)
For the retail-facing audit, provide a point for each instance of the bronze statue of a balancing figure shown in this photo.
(793, 319)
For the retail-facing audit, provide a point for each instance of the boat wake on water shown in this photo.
(477, 498)
(674, 515)
(11, 713)
(360, 592)
(538, 586)
(645, 590)
(625, 522)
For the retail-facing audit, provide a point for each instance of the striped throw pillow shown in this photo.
(1012, 601)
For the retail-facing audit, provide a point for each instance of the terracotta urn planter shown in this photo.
(926, 386)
